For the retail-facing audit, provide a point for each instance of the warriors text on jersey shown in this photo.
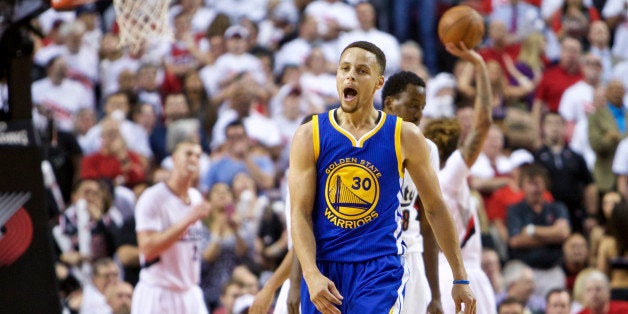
(355, 216)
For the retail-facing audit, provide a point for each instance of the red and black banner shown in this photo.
(27, 278)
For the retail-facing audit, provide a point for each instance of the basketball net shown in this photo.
(141, 20)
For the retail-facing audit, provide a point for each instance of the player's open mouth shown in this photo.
(349, 94)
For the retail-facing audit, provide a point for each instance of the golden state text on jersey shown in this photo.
(355, 214)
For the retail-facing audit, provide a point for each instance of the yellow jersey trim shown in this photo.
(398, 146)
(356, 142)
(316, 137)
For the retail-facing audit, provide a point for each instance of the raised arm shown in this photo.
(302, 185)
(416, 161)
(472, 146)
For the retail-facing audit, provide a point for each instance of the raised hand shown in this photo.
(461, 51)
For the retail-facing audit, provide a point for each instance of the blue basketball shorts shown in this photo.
(375, 286)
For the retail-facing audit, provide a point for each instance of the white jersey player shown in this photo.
(453, 179)
(169, 231)
(453, 182)
(404, 96)
(417, 296)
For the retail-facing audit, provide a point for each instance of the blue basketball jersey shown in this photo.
(355, 216)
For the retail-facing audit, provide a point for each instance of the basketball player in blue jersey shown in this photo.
(403, 95)
(345, 170)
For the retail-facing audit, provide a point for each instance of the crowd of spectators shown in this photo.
(239, 76)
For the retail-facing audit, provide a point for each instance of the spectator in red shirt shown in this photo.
(499, 45)
(114, 160)
(557, 78)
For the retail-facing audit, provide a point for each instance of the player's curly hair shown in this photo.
(396, 83)
(444, 132)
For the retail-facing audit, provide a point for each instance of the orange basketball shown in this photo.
(461, 23)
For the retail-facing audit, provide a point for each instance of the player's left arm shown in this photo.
(430, 258)
(264, 297)
(417, 162)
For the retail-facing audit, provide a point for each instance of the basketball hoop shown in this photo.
(140, 20)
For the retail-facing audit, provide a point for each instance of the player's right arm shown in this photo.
(430, 261)
(294, 293)
(302, 185)
(152, 243)
(482, 119)
(264, 297)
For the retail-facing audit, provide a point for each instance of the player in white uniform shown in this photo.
(404, 96)
(453, 177)
(169, 231)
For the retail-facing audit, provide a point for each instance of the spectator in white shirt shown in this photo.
(113, 61)
(316, 81)
(147, 86)
(235, 62)
(412, 59)
(188, 51)
(254, 10)
(82, 59)
(117, 106)
(599, 38)
(576, 102)
(105, 274)
(89, 15)
(295, 51)
(282, 20)
(242, 107)
(580, 138)
(367, 31)
(200, 17)
(332, 17)
(59, 94)
(615, 14)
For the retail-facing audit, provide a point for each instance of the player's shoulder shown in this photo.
(304, 140)
(304, 130)
(157, 190)
(410, 132)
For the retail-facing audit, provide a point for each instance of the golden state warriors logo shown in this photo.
(352, 191)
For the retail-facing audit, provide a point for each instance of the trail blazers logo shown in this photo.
(16, 227)
(352, 192)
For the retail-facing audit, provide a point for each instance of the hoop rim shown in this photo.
(68, 5)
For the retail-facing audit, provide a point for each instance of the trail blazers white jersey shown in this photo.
(179, 266)
(409, 207)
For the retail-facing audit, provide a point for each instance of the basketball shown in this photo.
(461, 23)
